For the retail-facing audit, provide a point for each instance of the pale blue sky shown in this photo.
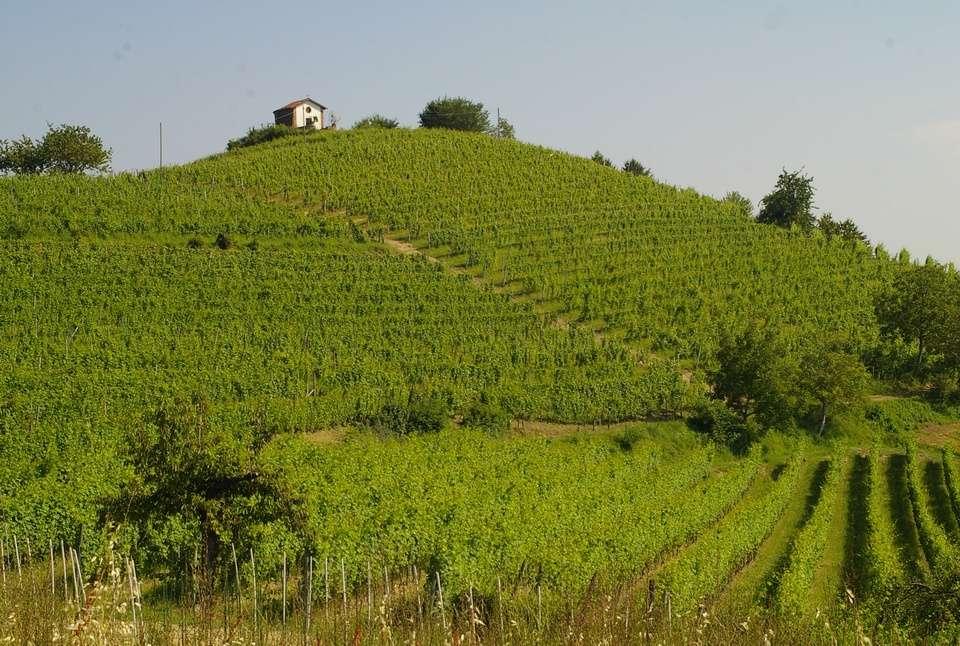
(864, 95)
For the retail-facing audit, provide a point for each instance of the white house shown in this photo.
(302, 113)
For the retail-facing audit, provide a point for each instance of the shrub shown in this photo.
(427, 413)
(264, 134)
(377, 121)
(223, 242)
(487, 416)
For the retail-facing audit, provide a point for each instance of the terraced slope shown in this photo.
(665, 268)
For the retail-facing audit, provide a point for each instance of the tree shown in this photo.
(833, 379)
(756, 375)
(600, 159)
(22, 157)
(194, 486)
(634, 167)
(455, 113)
(504, 129)
(74, 149)
(913, 308)
(377, 121)
(845, 229)
(740, 203)
(790, 203)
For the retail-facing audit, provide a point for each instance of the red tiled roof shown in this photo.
(293, 104)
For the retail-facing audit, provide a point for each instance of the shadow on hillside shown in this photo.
(854, 564)
(907, 539)
(813, 497)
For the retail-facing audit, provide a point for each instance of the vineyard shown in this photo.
(360, 423)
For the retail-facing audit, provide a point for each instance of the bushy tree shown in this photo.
(74, 149)
(377, 121)
(790, 203)
(843, 229)
(63, 149)
(455, 113)
(755, 375)
(22, 157)
(832, 379)
(740, 202)
(193, 483)
(916, 307)
(600, 159)
(634, 167)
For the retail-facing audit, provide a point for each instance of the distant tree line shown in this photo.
(631, 166)
(63, 149)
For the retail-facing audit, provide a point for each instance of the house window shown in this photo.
(308, 110)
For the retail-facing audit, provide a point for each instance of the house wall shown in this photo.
(299, 115)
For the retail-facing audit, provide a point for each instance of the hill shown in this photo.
(177, 343)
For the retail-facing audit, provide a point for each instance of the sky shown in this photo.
(864, 96)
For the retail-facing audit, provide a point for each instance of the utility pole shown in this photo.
(161, 144)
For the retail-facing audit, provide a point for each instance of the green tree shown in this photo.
(194, 484)
(74, 149)
(913, 308)
(600, 159)
(742, 204)
(756, 375)
(790, 203)
(634, 167)
(455, 113)
(504, 129)
(832, 379)
(377, 121)
(22, 157)
(843, 229)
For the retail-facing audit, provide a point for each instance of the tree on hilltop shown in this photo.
(634, 167)
(600, 159)
(63, 149)
(376, 121)
(790, 203)
(455, 113)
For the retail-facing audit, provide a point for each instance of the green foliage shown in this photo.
(74, 149)
(195, 485)
(882, 558)
(790, 204)
(741, 204)
(703, 568)
(793, 589)
(941, 554)
(264, 134)
(634, 167)
(63, 149)
(600, 159)
(756, 375)
(21, 156)
(833, 379)
(422, 413)
(843, 229)
(455, 113)
(922, 307)
(504, 129)
(377, 121)
(488, 416)
(474, 507)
